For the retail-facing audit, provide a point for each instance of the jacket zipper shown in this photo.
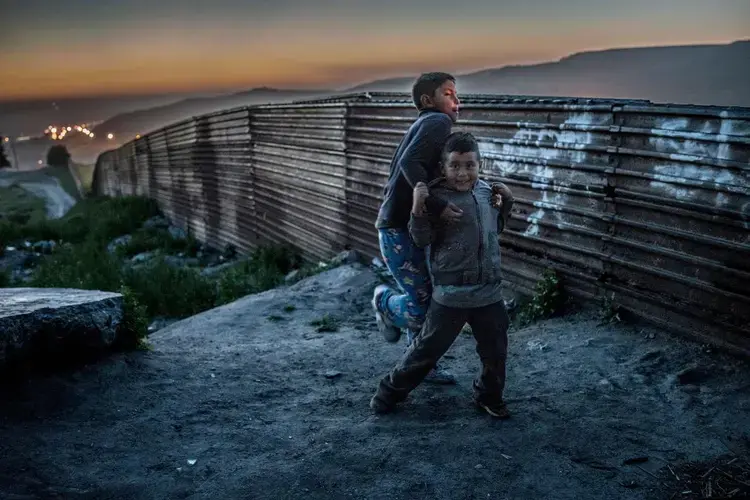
(481, 235)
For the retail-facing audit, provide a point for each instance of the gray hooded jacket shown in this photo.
(464, 257)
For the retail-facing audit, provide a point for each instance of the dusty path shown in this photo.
(231, 404)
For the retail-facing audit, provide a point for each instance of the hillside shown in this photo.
(694, 74)
(146, 120)
(252, 400)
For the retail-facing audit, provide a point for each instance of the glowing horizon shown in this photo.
(135, 48)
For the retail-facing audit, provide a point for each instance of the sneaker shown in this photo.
(387, 329)
(495, 409)
(379, 406)
(440, 376)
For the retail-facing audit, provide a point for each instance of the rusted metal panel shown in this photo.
(648, 202)
(299, 170)
(680, 241)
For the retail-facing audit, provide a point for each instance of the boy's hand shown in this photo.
(501, 194)
(420, 195)
(451, 213)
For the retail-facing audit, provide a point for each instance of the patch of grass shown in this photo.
(86, 266)
(148, 239)
(18, 208)
(290, 308)
(96, 220)
(275, 318)
(264, 269)
(170, 291)
(5, 281)
(547, 301)
(154, 288)
(133, 329)
(609, 311)
(325, 324)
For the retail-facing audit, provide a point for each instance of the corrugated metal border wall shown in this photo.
(647, 202)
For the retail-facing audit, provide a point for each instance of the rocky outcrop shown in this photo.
(47, 322)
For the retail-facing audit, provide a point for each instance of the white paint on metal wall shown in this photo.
(568, 145)
(682, 151)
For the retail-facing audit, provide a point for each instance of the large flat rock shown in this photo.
(38, 321)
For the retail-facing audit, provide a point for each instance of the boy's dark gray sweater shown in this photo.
(464, 257)
(417, 159)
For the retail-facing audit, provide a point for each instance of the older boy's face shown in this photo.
(461, 170)
(446, 100)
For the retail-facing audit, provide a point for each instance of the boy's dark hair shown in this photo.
(428, 83)
(461, 142)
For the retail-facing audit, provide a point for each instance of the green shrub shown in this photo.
(133, 329)
(170, 291)
(547, 301)
(325, 324)
(5, 281)
(86, 266)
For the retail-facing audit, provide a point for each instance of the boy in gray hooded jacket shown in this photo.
(464, 262)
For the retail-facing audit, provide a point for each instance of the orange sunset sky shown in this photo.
(80, 47)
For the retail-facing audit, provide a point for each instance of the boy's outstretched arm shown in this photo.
(420, 227)
(426, 144)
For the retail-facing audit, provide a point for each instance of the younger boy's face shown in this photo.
(461, 170)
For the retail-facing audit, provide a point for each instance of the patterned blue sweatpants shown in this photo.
(408, 266)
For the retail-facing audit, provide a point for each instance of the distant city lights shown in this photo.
(57, 133)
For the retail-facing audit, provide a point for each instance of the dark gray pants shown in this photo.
(442, 325)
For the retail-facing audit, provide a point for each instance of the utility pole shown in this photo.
(11, 142)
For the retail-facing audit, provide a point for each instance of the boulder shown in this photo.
(44, 322)
(156, 222)
(119, 242)
(177, 233)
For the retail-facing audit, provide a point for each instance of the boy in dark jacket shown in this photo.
(416, 160)
(466, 277)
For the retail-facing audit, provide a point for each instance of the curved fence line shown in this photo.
(644, 204)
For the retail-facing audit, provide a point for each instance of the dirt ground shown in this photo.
(249, 401)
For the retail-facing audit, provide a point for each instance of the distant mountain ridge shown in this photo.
(717, 74)
(689, 74)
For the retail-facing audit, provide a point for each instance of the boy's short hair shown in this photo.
(461, 142)
(428, 83)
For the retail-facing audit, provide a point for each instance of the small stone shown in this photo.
(331, 374)
(692, 375)
(156, 221)
(177, 233)
(289, 278)
(346, 257)
(142, 257)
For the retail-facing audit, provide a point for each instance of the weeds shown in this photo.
(325, 324)
(547, 301)
(290, 308)
(610, 311)
(275, 318)
(5, 280)
(148, 239)
(158, 287)
(134, 326)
